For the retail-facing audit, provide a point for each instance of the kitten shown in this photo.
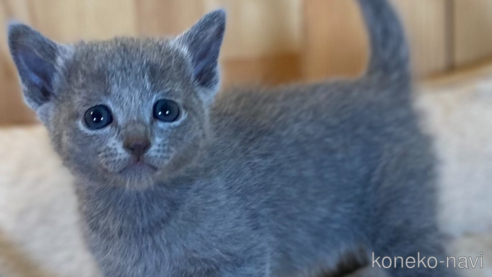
(173, 180)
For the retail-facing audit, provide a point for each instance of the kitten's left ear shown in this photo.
(36, 59)
(203, 42)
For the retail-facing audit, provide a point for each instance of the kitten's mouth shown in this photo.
(138, 166)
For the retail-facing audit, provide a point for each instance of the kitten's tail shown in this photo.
(389, 49)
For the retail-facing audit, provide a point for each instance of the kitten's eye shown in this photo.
(166, 110)
(98, 117)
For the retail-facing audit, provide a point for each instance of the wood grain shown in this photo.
(72, 20)
(259, 28)
(473, 30)
(269, 70)
(167, 17)
(427, 31)
(335, 40)
(12, 107)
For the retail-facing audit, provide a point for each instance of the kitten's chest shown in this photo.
(132, 234)
(157, 254)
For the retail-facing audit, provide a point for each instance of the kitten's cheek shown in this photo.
(159, 157)
(112, 162)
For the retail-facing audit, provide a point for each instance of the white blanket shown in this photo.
(39, 223)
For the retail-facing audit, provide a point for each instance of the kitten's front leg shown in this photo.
(404, 217)
(407, 246)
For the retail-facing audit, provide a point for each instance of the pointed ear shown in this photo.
(203, 42)
(36, 59)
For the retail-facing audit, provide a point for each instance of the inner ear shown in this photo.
(38, 72)
(36, 60)
(203, 42)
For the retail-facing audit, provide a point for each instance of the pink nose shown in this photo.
(137, 147)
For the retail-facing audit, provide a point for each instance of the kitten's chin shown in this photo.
(137, 176)
(134, 176)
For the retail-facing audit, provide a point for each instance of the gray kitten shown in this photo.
(176, 181)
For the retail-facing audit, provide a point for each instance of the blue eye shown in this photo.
(98, 117)
(166, 110)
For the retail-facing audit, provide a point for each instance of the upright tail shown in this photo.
(389, 49)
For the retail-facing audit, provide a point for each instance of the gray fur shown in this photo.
(282, 182)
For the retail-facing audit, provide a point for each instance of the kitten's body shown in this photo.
(272, 183)
(300, 189)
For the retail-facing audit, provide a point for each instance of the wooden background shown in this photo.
(267, 42)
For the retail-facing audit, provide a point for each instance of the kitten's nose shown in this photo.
(137, 147)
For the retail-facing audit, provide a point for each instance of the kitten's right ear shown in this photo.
(203, 42)
(36, 59)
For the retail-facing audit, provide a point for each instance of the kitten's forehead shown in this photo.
(127, 72)
(129, 61)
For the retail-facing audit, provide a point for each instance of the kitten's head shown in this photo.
(123, 111)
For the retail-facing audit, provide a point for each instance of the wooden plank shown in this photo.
(167, 17)
(465, 74)
(12, 107)
(13, 110)
(269, 71)
(108, 18)
(60, 21)
(335, 42)
(259, 28)
(18, 10)
(426, 26)
(72, 20)
(4, 115)
(473, 35)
